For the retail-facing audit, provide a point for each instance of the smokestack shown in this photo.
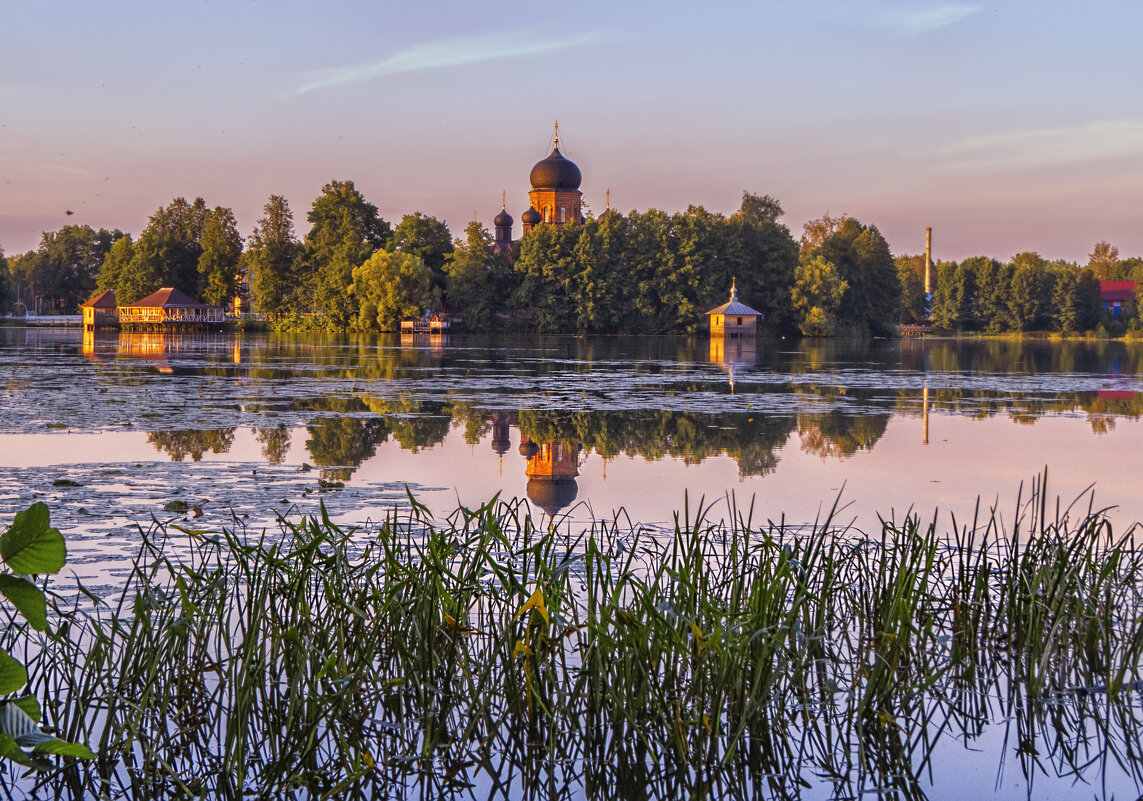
(928, 261)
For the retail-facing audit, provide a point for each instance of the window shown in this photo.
(739, 319)
(547, 214)
(563, 214)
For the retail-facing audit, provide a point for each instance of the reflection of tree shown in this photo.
(180, 444)
(839, 434)
(413, 424)
(275, 442)
(750, 440)
(344, 442)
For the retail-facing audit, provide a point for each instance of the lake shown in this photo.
(211, 431)
(256, 425)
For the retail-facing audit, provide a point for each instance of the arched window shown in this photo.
(563, 214)
(547, 214)
(739, 321)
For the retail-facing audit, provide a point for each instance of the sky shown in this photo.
(1004, 126)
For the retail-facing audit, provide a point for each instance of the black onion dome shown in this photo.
(552, 495)
(555, 172)
(502, 219)
(531, 217)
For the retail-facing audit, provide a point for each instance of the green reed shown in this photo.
(419, 658)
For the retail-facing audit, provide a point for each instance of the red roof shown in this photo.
(1116, 290)
(104, 300)
(170, 298)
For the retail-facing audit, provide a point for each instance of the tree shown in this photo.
(477, 281)
(1065, 301)
(167, 252)
(63, 271)
(6, 293)
(1026, 293)
(346, 230)
(759, 208)
(426, 237)
(390, 287)
(218, 263)
(115, 263)
(954, 296)
(817, 293)
(815, 232)
(863, 260)
(910, 270)
(271, 253)
(1104, 261)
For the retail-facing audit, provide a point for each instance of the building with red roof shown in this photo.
(168, 309)
(1118, 297)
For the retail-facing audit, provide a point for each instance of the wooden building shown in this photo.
(169, 310)
(1118, 297)
(100, 311)
(733, 319)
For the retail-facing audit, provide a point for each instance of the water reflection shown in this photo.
(339, 402)
(551, 470)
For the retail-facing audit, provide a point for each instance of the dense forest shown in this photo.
(643, 272)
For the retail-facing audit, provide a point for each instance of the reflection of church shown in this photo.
(555, 197)
(552, 470)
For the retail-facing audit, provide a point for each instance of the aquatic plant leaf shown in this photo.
(535, 602)
(10, 749)
(65, 482)
(13, 676)
(27, 598)
(64, 748)
(19, 725)
(176, 506)
(30, 705)
(31, 546)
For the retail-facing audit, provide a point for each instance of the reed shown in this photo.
(484, 657)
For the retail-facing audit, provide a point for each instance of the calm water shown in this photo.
(257, 425)
(112, 430)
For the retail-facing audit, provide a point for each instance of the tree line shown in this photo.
(643, 272)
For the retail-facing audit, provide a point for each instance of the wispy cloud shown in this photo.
(915, 21)
(1093, 141)
(450, 53)
(66, 170)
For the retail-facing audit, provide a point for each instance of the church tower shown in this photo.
(502, 223)
(555, 196)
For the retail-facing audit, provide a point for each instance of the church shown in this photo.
(555, 197)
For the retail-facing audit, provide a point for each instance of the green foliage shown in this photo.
(390, 287)
(345, 230)
(167, 252)
(367, 663)
(862, 259)
(271, 253)
(29, 546)
(478, 281)
(218, 263)
(116, 264)
(426, 237)
(63, 271)
(757, 209)
(650, 272)
(817, 294)
(911, 275)
(7, 290)
(1104, 262)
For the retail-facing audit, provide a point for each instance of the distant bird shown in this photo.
(69, 212)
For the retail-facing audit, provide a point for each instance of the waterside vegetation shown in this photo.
(649, 272)
(483, 657)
